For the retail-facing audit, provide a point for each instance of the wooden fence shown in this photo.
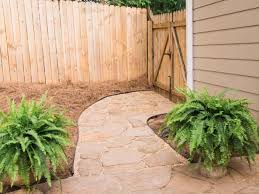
(44, 41)
(167, 50)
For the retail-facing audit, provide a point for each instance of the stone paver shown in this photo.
(117, 153)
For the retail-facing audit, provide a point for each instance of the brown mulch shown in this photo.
(74, 98)
(156, 123)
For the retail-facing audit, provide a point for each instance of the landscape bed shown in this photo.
(72, 98)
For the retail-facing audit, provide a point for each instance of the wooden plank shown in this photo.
(24, 42)
(161, 58)
(144, 41)
(84, 39)
(17, 40)
(77, 35)
(168, 24)
(38, 41)
(123, 76)
(65, 41)
(3, 47)
(100, 42)
(107, 45)
(118, 49)
(150, 54)
(113, 44)
(1, 68)
(134, 66)
(52, 41)
(139, 37)
(171, 48)
(90, 42)
(10, 41)
(71, 34)
(45, 41)
(130, 40)
(96, 42)
(31, 40)
(59, 45)
(180, 55)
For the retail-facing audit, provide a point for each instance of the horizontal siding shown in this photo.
(215, 89)
(226, 48)
(237, 20)
(201, 3)
(239, 51)
(223, 8)
(232, 36)
(254, 106)
(246, 84)
(238, 67)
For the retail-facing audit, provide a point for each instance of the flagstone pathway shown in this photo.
(117, 153)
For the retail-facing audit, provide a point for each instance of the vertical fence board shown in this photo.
(113, 44)
(144, 41)
(139, 42)
(10, 40)
(52, 41)
(150, 66)
(38, 41)
(96, 43)
(77, 35)
(31, 40)
(90, 43)
(100, 46)
(17, 40)
(84, 50)
(105, 40)
(59, 46)
(72, 45)
(45, 41)
(130, 40)
(65, 40)
(123, 45)
(3, 48)
(24, 42)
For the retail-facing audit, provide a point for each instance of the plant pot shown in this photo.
(215, 172)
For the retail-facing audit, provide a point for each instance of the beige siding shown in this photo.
(226, 45)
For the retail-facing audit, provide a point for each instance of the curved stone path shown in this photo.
(117, 153)
(117, 147)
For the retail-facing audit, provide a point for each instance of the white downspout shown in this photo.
(189, 42)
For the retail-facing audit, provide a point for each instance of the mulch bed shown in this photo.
(73, 98)
(156, 123)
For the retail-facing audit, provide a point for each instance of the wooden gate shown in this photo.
(167, 51)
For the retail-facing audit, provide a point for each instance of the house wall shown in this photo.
(226, 48)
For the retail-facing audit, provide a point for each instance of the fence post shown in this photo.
(150, 54)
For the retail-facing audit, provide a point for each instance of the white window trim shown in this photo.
(189, 42)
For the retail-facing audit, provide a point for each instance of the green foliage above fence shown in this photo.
(157, 6)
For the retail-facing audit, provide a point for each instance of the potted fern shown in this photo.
(33, 137)
(214, 128)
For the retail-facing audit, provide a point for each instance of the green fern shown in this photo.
(213, 127)
(32, 140)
